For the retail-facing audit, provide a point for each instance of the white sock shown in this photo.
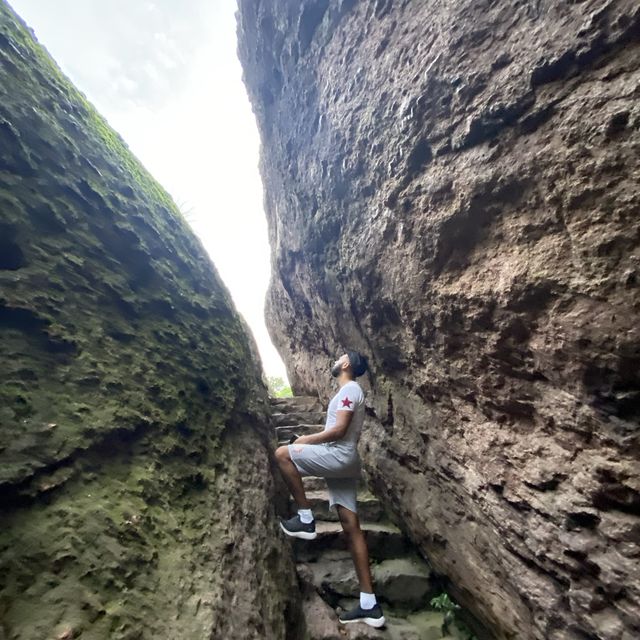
(367, 600)
(305, 516)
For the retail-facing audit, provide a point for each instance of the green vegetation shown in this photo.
(278, 387)
(444, 603)
(451, 610)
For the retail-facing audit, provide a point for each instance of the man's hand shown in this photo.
(302, 440)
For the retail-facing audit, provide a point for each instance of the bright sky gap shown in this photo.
(167, 78)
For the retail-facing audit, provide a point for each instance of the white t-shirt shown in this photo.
(349, 398)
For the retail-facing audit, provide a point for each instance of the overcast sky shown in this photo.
(166, 76)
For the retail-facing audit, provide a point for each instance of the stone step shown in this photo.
(322, 622)
(404, 583)
(297, 403)
(298, 417)
(322, 619)
(315, 483)
(384, 540)
(424, 624)
(369, 507)
(421, 625)
(408, 582)
(285, 432)
(294, 399)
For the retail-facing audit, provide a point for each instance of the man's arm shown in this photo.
(337, 432)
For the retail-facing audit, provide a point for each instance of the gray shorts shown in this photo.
(339, 466)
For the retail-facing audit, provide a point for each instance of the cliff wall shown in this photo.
(135, 488)
(451, 188)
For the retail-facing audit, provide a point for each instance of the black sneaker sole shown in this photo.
(372, 622)
(304, 535)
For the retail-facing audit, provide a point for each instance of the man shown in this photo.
(333, 455)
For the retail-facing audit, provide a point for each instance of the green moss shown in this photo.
(110, 141)
(126, 377)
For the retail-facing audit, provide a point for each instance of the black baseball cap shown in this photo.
(358, 363)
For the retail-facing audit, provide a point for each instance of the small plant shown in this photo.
(450, 609)
(444, 603)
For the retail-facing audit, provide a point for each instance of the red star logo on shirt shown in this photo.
(347, 403)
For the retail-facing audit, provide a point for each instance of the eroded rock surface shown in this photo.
(135, 493)
(452, 189)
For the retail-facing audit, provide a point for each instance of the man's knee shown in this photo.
(348, 520)
(282, 453)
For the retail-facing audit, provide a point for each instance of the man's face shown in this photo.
(337, 365)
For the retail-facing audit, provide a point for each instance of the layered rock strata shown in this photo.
(135, 487)
(452, 189)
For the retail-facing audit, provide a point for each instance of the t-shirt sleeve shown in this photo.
(349, 398)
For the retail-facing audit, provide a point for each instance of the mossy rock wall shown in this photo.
(134, 471)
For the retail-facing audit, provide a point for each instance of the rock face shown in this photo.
(134, 425)
(452, 189)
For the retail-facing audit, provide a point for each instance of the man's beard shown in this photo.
(335, 370)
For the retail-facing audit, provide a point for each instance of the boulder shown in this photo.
(404, 582)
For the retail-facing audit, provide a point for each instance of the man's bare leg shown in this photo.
(357, 546)
(292, 477)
